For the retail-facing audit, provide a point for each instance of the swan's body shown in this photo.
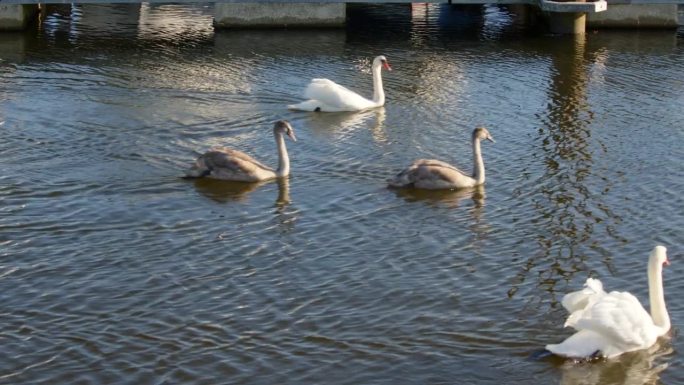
(434, 174)
(609, 324)
(327, 96)
(228, 164)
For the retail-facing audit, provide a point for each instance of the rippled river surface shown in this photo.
(114, 270)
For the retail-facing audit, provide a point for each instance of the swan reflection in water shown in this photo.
(448, 198)
(474, 219)
(223, 191)
(634, 368)
(345, 122)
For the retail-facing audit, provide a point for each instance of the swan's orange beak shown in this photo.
(666, 263)
(385, 64)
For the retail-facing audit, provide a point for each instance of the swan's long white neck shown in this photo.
(659, 314)
(378, 91)
(283, 158)
(478, 163)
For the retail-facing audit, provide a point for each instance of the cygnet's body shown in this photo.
(228, 164)
(434, 174)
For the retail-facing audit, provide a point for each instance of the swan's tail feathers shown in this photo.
(198, 169)
(406, 177)
(402, 179)
(540, 354)
(583, 344)
(308, 105)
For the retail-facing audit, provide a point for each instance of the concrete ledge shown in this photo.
(635, 16)
(573, 6)
(16, 17)
(267, 15)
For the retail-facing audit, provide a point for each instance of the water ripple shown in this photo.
(113, 269)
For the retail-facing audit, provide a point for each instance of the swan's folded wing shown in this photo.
(620, 317)
(578, 300)
(333, 94)
(233, 160)
(435, 163)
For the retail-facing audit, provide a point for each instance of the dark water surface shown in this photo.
(113, 270)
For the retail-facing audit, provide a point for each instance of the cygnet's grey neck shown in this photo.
(283, 158)
(478, 163)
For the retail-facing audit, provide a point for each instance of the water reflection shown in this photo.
(248, 43)
(569, 214)
(285, 215)
(283, 193)
(341, 123)
(636, 368)
(223, 191)
(447, 198)
(437, 21)
(13, 46)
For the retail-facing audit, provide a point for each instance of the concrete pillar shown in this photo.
(567, 22)
(635, 16)
(265, 15)
(16, 17)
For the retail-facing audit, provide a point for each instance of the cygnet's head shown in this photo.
(284, 127)
(381, 61)
(482, 133)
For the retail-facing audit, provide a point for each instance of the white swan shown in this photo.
(609, 324)
(228, 164)
(434, 174)
(327, 96)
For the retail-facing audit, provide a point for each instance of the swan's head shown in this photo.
(283, 127)
(481, 133)
(381, 61)
(659, 256)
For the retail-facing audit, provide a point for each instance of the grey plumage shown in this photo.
(229, 164)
